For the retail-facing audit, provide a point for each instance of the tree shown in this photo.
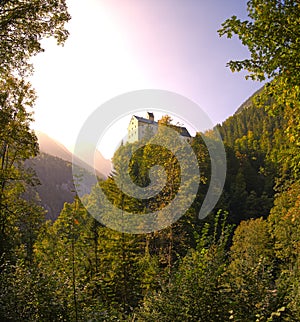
(17, 143)
(23, 24)
(251, 273)
(284, 221)
(166, 120)
(197, 290)
(65, 250)
(272, 36)
(26, 294)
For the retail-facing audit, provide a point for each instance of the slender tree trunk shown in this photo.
(124, 274)
(96, 237)
(73, 264)
(170, 250)
(125, 286)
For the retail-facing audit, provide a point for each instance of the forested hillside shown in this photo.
(53, 169)
(240, 263)
(227, 270)
(55, 184)
(252, 138)
(51, 147)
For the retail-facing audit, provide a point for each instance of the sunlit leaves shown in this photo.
(23, 24)
(272, 36)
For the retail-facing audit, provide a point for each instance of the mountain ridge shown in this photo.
(48, 145)
(53, 167)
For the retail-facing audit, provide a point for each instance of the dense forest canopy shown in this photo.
(272, 37)
(239, 264)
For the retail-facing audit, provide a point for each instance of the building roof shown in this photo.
(182, 130)
(142, 119)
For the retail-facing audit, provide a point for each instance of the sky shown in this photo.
(118, 46)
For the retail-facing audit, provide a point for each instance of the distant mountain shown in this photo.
(53, 168)
(55, 148)
(250, 125)
(248, 102)
(252, 139)
(56, 184)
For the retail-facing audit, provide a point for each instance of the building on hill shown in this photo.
(139, 127)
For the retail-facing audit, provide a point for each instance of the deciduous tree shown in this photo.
(272, 36)
(23, 25)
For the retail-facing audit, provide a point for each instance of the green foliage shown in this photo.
(252, 139)
(197, 290)
(17, 143)
(284, 223)
(284, 218)
(84, 271)
(95, 270)
(27, 295)
(62, 254)
(23, 24)
(250, 272)
(272, 36)
(75, 269)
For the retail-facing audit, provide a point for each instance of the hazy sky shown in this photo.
(116, 46)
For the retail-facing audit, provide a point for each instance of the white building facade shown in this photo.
(140, 127)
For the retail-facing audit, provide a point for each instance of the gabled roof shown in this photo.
(181, 129)
(184, 131)
(142, 119)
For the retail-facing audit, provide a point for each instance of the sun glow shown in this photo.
(117, 47)
(95, 64)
